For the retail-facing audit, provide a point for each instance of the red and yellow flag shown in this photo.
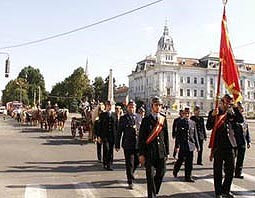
(230, 71)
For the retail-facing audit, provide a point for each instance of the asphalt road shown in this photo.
(40, 164)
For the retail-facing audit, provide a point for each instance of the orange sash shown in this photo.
(156, 130)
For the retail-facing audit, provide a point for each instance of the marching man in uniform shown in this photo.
(154, 147)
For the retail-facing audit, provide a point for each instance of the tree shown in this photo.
(34, 80)
(98, 87)
(76, 86)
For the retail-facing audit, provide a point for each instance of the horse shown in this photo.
(51, 118)
(62, 115)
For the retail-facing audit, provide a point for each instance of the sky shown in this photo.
(120, 43)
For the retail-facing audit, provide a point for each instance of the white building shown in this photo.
(183, 81)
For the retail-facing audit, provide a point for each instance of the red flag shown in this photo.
(230, 71)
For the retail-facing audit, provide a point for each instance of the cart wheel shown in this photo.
(80, 132)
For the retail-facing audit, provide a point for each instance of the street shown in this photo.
(41, 164)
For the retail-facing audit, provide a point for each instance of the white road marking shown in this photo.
(187, 187)
(35, 191)
(235, 188)
(249, 177)
(86, 190)
(138, 190)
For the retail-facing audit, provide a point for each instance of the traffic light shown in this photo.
(7, 67)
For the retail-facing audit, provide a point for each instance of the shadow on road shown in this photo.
(64, 167)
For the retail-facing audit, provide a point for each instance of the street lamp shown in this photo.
(7, 64)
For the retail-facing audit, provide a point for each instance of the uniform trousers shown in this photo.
(107, 153)
(132, 162)
(223, 157)
(155, 171)
(187, 157)
(99, 151)
(239, 160)
(200, 152)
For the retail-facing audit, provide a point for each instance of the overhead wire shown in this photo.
(81, 28)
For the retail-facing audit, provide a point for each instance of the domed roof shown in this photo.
(166, 41)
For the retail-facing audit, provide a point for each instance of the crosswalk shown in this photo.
(36, 191)
(202, 188)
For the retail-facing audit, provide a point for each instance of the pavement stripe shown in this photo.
(236, 189)
(35, 191)
(141, 191)
(187, 187)
(249, 177)
(138, 190)
(85, 190)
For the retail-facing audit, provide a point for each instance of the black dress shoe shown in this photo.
(175, 174)
(130, 186)
(227, 195)
(239, 176)
(189, 180)
(201, 164)
(218, 196)
(109, 168)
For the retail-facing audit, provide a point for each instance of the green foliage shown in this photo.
(73, 88)
(98, 87)
(34, 79)
(25, 86)
(67, 94)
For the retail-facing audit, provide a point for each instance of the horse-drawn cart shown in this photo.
(80, 125)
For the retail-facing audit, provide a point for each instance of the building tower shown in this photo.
(166, 53)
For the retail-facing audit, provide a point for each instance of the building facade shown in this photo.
(181, 81)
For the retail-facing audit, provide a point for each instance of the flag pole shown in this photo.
(212, 138)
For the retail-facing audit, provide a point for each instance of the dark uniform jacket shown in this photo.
(242, 134)
(186, 138)
(159, 147)
(174, 128)
(127, 128)
(200, 124)
(222, 137)
(107, 126)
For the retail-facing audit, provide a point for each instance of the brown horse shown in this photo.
(51, 118)
(62, 116)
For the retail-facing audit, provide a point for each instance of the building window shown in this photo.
(249, 83)
(249, 95)
(241, 82)
(195, 80)
(202, 81)
(211, 81)
(181, 92)
(188, 92)
(181, 79)
(211, 93)
(201, 105)
(211, 105)
(168, 91)
(195, 93)
(188, 80)
(202, 93)
(254, 95)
